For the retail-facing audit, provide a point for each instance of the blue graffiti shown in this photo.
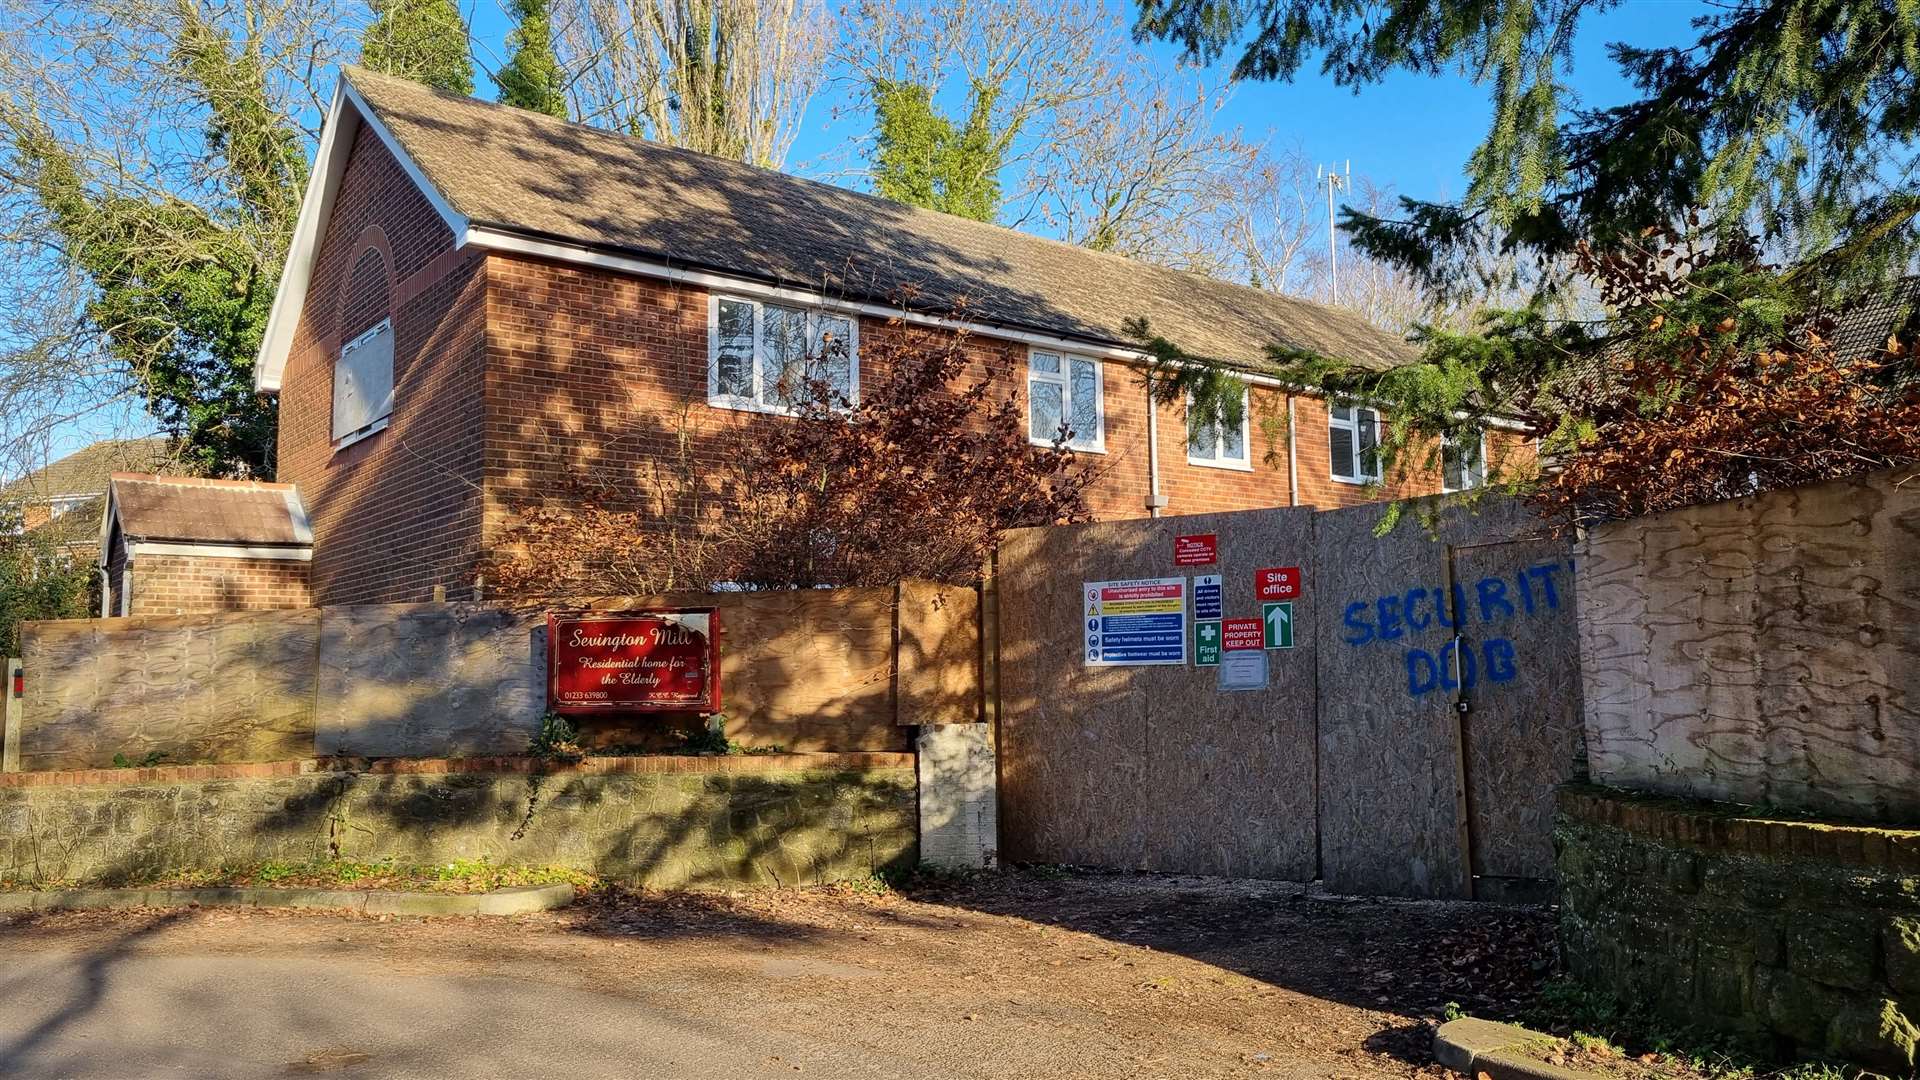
(1488, 603)
(1427, 672)
(1397, 615)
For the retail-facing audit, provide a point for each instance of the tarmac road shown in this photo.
(85, 1014)
(1024, 976)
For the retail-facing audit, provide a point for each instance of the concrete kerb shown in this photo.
(516, 901)
(1471, 1047)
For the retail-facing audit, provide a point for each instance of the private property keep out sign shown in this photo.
(1239, 634)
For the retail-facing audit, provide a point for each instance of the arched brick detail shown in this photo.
(368, 295)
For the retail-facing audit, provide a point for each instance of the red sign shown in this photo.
(634, 661)
(1200, 549)
(1239, 634)
(1276, 583)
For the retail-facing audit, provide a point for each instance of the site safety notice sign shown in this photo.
(1135, 622)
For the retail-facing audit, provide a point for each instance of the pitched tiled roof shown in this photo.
(85, 471)
(191, 510)
(527, 173)
(1864, 329)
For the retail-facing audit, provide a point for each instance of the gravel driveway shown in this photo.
(1028, 974)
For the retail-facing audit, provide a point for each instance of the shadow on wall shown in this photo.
(810, 670)
(231, 687)
(785, 826)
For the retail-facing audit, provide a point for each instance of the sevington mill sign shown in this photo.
(634, 661)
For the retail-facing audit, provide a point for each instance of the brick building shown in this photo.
(175, 545)
(482, 301)
(62, 500)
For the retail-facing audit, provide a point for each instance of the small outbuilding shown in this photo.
(175, 545)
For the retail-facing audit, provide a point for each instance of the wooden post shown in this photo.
(989, 609)
(10, 756)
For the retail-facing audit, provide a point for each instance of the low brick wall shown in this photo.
(1798, 933)
(657, 821)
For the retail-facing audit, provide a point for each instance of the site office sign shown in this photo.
(634, 661)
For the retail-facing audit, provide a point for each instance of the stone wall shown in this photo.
(661, 822)
(1797, 934)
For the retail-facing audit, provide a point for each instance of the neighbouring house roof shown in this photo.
(503, 176)
(1864, 328)
(188, 510)
(86, 471)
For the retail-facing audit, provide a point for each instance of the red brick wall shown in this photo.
(594, 373)
(200, 584)
(515, 376)
(398, 512)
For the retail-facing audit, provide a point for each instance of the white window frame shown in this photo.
(1350, 430)
(1445, 478)
(62, 505)
(1241, 464)
(1064, 380)
(378, 423)
(813, 313)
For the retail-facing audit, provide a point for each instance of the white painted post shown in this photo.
(10, 754)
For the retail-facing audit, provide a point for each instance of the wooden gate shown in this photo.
(1407, 744)
(1150, 767)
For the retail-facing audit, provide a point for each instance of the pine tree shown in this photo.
(532, 78)
(1792, 119)
(422, 40)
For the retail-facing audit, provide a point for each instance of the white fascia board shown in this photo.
(297, 510)
(106, 525)
(344, 117)
(501, 240)
(221, 551)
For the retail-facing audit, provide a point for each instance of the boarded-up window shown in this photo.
(363, 385)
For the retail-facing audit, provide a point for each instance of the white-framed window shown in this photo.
(1218, 444)
(764, 357)
(1353, 443)
(363, 385)
(1463, 468)
(1068, 391)
(63, 504)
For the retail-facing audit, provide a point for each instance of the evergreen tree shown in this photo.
(422, 40)
(532, 78)
(1787, 127)
(1792, 119)
(922, 158)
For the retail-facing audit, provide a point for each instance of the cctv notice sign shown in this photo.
(634, 661)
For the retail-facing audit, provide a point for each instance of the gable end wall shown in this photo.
(398, 512)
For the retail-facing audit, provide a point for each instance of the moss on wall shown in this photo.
(1798, 933)
(656, 829)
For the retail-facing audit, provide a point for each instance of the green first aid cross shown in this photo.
(1206, 643)
(1278, 621)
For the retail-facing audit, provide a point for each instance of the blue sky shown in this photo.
(1411, 132)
